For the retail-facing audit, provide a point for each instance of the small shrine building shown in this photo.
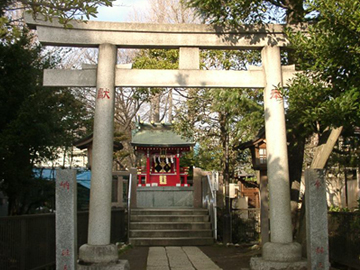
(162, 148)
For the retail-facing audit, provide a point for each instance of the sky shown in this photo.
(120, 10)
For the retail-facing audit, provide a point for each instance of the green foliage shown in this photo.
(157, 59)
(211, 116)
(344, 237)
(214, 116)
(154, 59)
(237, 12)
(34, 121)
(338, 209)
(39, 196)
(229, 59)
(327, 92)
(243, 230)
(345, 153)
(64, 10)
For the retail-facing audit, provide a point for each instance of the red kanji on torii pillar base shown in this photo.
(162, 148)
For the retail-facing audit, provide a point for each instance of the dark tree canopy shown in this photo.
(327, 92)
(34, 120)
(65, 10)
(235, 12)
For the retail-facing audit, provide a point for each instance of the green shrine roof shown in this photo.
(158, 134)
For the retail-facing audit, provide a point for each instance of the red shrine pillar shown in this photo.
(147, 180)
(178, 167)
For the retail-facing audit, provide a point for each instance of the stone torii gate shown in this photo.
(281, 252)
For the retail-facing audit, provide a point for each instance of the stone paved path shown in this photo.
(179, 258)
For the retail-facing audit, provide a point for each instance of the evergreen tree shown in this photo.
(34, 120)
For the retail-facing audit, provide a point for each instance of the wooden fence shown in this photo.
(28, 242)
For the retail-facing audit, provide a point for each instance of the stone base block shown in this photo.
(258, 263)
(281, 252)
(119, 265)
(90, 254)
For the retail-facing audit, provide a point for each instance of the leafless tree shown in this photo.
(172, 12)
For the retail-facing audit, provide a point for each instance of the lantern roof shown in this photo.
(159, 135)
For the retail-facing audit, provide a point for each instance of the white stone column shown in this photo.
(277, 158)
(281, 248)
(98, 249)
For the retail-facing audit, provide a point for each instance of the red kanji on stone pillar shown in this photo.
(275, 93)
(317, 183)
(103, 93)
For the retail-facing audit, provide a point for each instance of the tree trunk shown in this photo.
(191, 108)
(295, 159)
(323, 151)
(155, 108)
(170, 111)
(224, 137)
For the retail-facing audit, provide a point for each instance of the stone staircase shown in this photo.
(170, 227)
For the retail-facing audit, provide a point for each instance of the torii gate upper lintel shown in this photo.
(145, 35)
(281, 252)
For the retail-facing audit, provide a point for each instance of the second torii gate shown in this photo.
(281, 252)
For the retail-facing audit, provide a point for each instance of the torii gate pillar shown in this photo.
(281, 252)
(98, 249)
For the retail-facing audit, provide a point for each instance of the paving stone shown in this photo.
(177, 258)
(157, 258)
(199, 259)
(157, 268)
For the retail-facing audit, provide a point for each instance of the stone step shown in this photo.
(167, 218)
(174, 227)
(170, 225)
(172, 241)
(171, 212)
(169, 233)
